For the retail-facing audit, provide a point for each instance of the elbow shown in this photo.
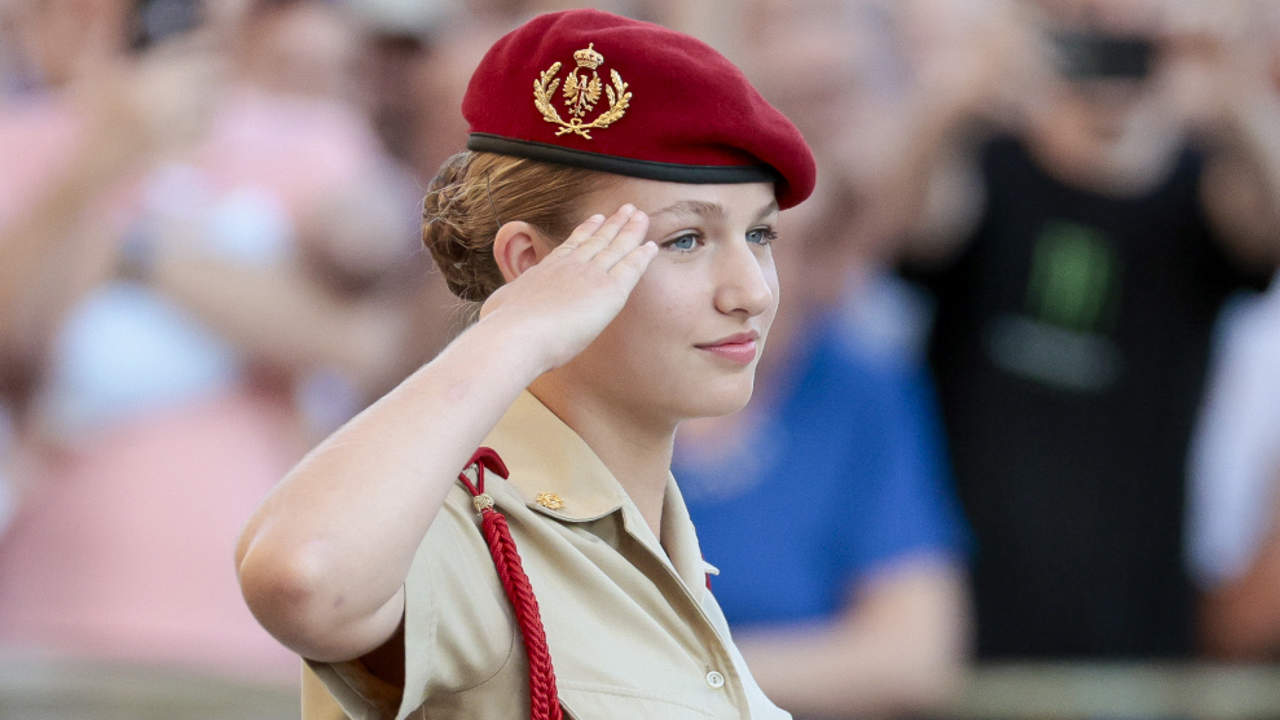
(931, 664)
(286, 592)
(1239, 623)
(932, 684)
(911, 684)
(942, 666)
(298, 594)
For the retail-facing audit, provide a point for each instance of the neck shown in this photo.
(637, 450)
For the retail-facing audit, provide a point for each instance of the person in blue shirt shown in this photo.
(838, 540)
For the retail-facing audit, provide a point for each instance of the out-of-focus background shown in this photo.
(1015, 450)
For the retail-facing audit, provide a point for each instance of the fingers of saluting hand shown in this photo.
(629, 237)
(606, 233)
(581, 286)
(616, 242)
(634, 263)
(580, 234)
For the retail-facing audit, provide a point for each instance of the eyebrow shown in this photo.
(704, 208)
(691, 207)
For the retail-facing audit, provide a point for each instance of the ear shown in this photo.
(517, 247)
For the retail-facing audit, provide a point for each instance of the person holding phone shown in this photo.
(1080, 256)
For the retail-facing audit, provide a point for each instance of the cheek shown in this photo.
(658, 323)
(775, 286)
(658, 308)
(788, 266)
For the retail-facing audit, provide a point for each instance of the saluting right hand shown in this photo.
(558, 306)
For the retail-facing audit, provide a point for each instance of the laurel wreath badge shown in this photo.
(582, 89)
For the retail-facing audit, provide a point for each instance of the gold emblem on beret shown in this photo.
(581, 93)
(549, 500)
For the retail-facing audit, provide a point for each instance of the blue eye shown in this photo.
(684, 243)
(762, 236)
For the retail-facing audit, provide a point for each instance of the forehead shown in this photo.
(652, 196)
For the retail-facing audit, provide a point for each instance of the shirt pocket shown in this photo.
(605, 702)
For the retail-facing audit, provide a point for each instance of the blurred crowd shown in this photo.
(1021, 401)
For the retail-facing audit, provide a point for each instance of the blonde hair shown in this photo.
(476, 192)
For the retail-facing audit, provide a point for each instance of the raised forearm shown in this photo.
(1242, 188)
(47, 243)
(280, 315)
(323, 559)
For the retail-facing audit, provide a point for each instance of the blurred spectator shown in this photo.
(395, 53)
(77, 116)
(247, 293)
(303, 48)
(837, 536)
(438, 83)
(80, 116)
(1234, 508)
(838, 539)
(1101, 234)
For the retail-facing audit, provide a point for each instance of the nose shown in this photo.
(745, 281)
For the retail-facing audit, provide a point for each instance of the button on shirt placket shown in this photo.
(682, 596)
(674, 588)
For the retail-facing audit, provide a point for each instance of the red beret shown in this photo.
(600, 91)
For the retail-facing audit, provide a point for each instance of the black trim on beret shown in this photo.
(648, 169)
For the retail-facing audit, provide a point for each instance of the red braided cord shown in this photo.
(545, 703)
(544, 700)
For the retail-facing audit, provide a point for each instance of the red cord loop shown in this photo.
(544, 700)
(485, 457)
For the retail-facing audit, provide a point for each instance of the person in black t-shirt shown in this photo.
(1105, 231)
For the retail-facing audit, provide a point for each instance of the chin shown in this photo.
(720, 396)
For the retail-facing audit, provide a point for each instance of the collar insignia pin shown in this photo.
(548, 500)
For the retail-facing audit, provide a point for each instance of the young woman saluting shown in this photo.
(619, 242)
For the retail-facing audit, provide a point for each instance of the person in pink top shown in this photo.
(192, 327)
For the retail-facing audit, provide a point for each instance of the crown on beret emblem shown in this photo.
(582, 88)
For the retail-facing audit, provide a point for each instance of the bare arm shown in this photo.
(1219, 60)
(322, 562)
(306, 558)
(282, 315)
(932, 199)
(898, 647)
(1241, 619)
(45, 244)
(1241, 191)
(983, 70)
(134, 111)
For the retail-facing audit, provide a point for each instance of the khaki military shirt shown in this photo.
(633, 630)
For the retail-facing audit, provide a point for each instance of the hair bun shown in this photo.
(461, 250)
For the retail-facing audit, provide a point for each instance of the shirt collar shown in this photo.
(548, 460)
(681, 541)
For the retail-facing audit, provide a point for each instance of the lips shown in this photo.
(739, 348)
